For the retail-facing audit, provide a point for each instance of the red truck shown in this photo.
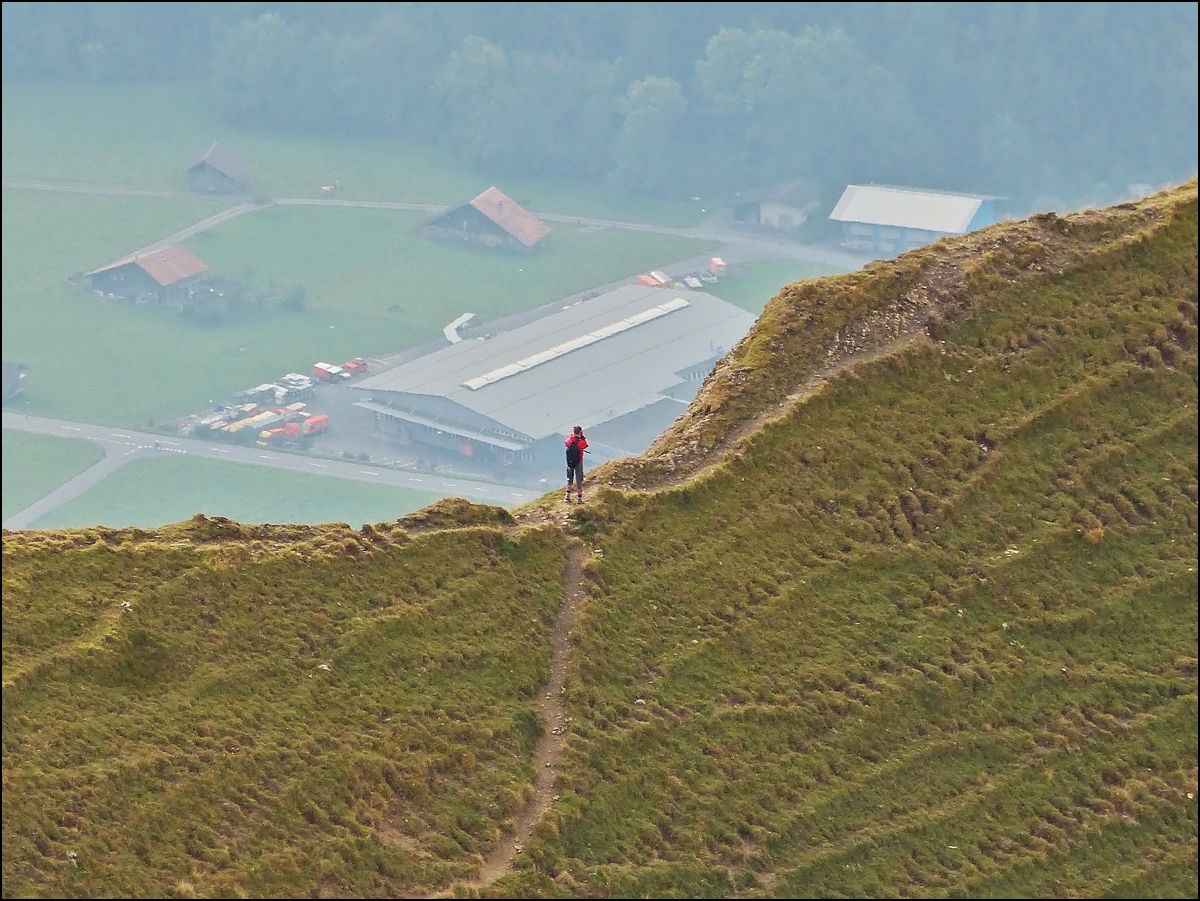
(315, 424)
(357, 366)
(328, 372)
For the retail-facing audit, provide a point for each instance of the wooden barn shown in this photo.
(216, 170)
(492, 219)
(167, 276)
(784, 206)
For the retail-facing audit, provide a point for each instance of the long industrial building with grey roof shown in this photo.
(623, 365)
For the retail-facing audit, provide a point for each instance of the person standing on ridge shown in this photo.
(576, 447)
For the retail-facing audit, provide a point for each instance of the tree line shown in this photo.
(1021, 99)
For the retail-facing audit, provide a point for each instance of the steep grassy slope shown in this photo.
(931, 631)
(904, 605)
(195, 744)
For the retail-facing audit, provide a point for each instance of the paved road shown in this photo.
(123, 446)
(750, 246)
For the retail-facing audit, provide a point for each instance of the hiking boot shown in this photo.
(579, 498)
(568, 497)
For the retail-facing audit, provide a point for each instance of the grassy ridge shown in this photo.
(933, 631)
(194, 745)
(758, 281)
(149, 493)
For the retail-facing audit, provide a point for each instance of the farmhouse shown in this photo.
(893, 220)
(493, 220)
(216, 170)
(166, 276)
(623, 365)
(785, 206)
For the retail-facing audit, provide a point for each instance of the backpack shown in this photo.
(574, 454)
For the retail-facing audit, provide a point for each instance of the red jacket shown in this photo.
(576, 445)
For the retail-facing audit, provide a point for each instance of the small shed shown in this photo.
(167, 276)
(216, 169)
(893, 220)
(784, 206)
(492, 219)
(13, 374)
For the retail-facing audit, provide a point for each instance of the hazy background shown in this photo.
(1049, 104)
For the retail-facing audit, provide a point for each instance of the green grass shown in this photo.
(112, 363)
(759, 281)
(374, 264)
(173, 746)
(69, 133)
(149, 493)
(932, 632)
(34, 465)
(88, 359)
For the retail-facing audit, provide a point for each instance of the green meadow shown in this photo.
(149, 493)
(374, 286)
(34, 465)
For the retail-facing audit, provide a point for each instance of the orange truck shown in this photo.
(314, 424)
(294, 431)
(328, 372)
(357, 366)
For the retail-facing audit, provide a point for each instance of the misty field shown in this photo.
(150, 493)
(373, 263)
(34, 465)
(68, 133)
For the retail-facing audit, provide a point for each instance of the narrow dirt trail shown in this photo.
(799, 395)
(549, 745)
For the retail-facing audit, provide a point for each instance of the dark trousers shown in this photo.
(575, 473)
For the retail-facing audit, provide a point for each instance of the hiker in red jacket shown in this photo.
(576, 447)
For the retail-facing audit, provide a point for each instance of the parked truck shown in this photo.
(293, 433)
(329, 373)
(314, 425)
(286, 434)
(357, 366)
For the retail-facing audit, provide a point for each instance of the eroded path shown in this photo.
(549, 745)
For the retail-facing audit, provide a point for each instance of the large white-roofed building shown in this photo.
(623, 365)
(893, 220)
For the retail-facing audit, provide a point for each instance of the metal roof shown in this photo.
(934, 211)
(511, 216)
(593, 381)
(452, 428)
(166, 266)
(221, 158)
(798, 192)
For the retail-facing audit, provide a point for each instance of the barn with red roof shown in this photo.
(492, 219)
(167, 275)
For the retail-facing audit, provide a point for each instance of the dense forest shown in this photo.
(1034, 101)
